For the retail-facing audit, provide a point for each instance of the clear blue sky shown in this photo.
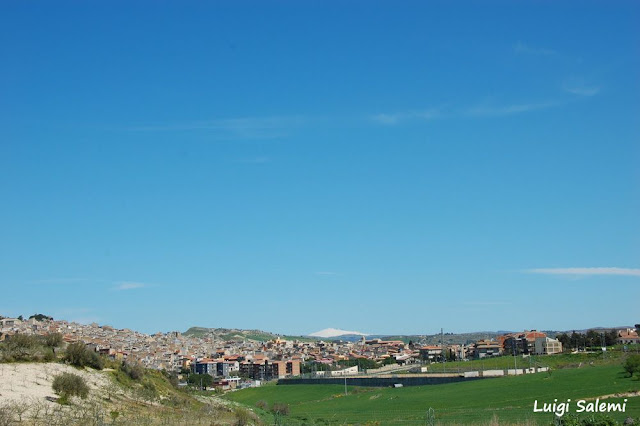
(292, 166)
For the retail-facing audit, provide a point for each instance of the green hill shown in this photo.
(237, 334)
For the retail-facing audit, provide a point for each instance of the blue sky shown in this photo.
(292, 166)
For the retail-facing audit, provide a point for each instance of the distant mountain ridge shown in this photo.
(239, 334)
(354, 336)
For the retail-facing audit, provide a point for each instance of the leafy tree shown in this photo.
(79, 355)
(200, 380)
(41, 317)
(390, 360)
(565, 340)
(632, 365)
(52, 340)
(575, 340)
(362, 363)
(21, 347)
(67, 385)
(611, 337)
(593, 338)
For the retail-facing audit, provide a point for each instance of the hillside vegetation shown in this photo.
(42, 382)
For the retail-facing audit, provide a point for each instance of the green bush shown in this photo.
(632, 365)
(79, 355)
(67, 385)
(21, 347)
(204, 380)
(52, 340)
(148, 391)
(134, 371)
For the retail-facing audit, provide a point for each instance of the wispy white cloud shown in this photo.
(522, 48)
(510, 109)
(239, 127)
(129, 285)
(634, 272)
(397, 117)
(480, 110)
(582, 90)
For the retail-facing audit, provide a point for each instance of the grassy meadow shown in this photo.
(505, 399)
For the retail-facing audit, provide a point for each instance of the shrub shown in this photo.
(280, 408)
(242, 417)
(79, 355)
(204, 380)
(148, 391)
(632, 365)
(52, 340)
(67, 385)
(262, 405)
(134, 371)
(21, 347)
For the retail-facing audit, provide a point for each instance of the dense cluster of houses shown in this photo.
(228, 360)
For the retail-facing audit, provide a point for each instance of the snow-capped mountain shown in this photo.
(334, 332)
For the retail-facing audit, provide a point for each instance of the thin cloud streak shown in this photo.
(522, 48)
(240, 127)
(395, 118)
(129, 285)
(484, 110)
(582, 90)
(633, 272)
(503, 110)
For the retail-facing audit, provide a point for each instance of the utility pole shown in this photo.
(345, 385)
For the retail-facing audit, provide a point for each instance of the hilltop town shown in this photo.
(239, 360)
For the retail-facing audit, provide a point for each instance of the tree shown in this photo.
(79, 355)
(593, 338)
(390, 360)
(611, 337)
(565, 340)
(52, 340)
(200, 380)
(575, 340)
(632, 365)
(67, 385)
(280, 408)
(41, 317)
(21, 347)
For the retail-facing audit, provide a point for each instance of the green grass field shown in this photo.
(553, 361)
(509, 398)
